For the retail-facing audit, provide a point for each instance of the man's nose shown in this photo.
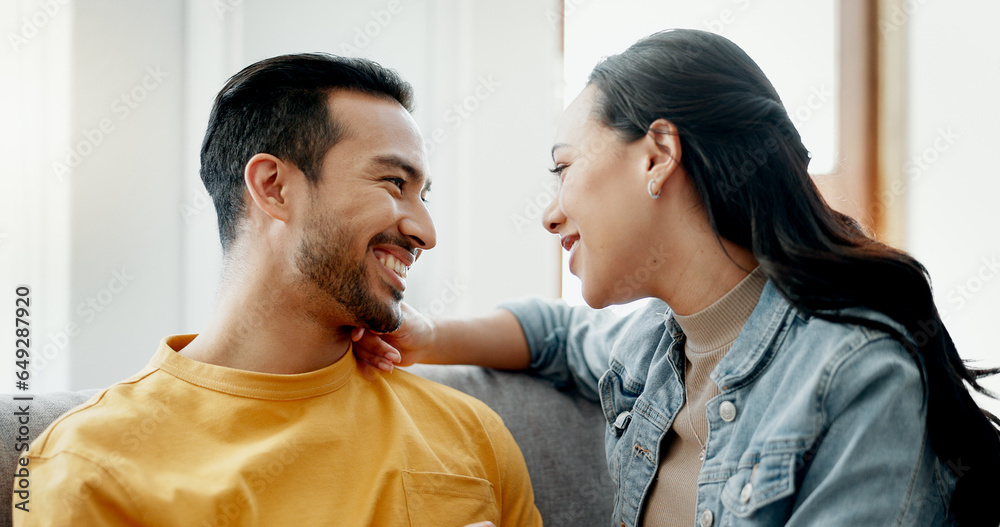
(419, 228)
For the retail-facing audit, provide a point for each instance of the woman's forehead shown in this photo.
(577, 120)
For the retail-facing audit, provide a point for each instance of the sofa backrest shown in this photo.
(560, 435)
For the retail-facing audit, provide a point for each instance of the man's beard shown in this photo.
(323, 258)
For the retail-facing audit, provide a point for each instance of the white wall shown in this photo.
(103, 236)
(952, 171)
(125, 231)
(34, 220)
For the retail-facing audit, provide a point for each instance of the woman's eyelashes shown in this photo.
(558, 169)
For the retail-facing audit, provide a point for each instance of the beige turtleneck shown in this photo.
(708, 334)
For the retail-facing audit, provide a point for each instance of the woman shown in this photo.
(789, 369)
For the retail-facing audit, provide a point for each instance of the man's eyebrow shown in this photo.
(396, 162)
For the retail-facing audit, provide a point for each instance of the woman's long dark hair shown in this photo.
(749, 165)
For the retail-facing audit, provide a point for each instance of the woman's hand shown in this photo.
(409, 344)
(494, 340)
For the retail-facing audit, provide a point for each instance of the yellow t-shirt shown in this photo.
(197, 445)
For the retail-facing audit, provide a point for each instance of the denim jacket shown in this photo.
(817, 423)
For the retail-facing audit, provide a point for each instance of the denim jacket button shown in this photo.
(746, 492)
(727, 411)
(706, 518)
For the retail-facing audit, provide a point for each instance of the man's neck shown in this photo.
(263, 327)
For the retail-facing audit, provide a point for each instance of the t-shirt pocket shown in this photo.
(435, 499)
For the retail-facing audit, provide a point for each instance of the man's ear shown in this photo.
(664, 153)
(267, 179)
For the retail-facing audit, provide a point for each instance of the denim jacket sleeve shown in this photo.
(875, 449)
(570, 346)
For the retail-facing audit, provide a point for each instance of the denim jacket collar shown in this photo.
(752, 347)
(755, 343)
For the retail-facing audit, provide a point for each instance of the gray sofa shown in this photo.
(561, 436)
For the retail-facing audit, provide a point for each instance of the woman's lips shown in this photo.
(569, 241)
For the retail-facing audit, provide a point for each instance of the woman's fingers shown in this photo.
(372, 359)
(370, 348)
(376, 344)
(404, 346)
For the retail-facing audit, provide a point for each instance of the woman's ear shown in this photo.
(266, 178)
(664, 153)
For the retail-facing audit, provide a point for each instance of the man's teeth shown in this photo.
(392, 263)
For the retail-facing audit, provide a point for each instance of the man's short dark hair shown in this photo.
(279, 106)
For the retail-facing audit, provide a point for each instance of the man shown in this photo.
(318, 175)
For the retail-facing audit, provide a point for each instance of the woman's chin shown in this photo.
(591, 297)
(600, 299)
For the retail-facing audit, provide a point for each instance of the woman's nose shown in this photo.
(553, 216)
